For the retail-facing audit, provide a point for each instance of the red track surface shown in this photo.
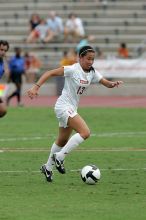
(89, 101)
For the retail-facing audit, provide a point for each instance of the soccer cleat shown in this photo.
(48, 174)
(59, 164)
(20, 104)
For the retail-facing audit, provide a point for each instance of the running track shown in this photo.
(90, 101)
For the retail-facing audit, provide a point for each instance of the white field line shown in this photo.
(76, 150)
(110, 134)
(7, 139)
(120, 134)
(75, 170)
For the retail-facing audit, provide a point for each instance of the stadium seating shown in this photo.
(112, 22)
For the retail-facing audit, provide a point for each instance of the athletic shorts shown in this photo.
(16, 78)
(63, 114)
(1, 101)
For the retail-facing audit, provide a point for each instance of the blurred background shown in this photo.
(50, 33)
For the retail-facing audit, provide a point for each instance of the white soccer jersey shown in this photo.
(76, 82)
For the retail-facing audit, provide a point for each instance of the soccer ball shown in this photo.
(90, 174)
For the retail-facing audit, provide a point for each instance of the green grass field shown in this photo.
(117, 146)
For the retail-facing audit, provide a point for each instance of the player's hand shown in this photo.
(33, 92)
(116, 84)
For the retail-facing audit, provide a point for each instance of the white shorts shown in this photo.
(63, 114)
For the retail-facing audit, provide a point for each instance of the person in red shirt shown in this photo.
(123, 52)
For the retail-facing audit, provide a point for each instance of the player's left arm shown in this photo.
(110, 84)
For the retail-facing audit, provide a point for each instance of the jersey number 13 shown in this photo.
(80, 90)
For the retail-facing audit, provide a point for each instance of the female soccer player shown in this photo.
(4, 47)
(78, 77)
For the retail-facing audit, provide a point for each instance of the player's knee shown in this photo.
(85, 134)
(3, 113)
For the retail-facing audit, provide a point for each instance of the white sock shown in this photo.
(73, 142)
(50, 163)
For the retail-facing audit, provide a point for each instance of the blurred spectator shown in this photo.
(65, 60)
(100, 54)
(72, 54)
(85, 40)
(123, 52)
(104, 3)
(55, 26)
(38, 33)
(73, 28)
(17, 69)
(69, 57)
(34, 21)
(32, 67)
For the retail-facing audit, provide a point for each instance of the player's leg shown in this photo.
(33, 36)
(13, 77)
(49, 37)
(3, 108)
(18, 94)
(13, 94)
(62, 139)
(79, 125)
(63, 136)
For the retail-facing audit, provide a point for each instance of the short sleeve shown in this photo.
(96, 77)
(68, 71)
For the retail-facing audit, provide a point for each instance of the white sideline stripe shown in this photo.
(127, 134)
(121, 134)
(21, 139)
(76, 170)
(79, 150)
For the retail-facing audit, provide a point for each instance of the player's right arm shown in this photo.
(33, 92)
(110, 84)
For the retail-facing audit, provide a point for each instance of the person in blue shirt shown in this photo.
(55, 27)
(4, 47)
(17, 69)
